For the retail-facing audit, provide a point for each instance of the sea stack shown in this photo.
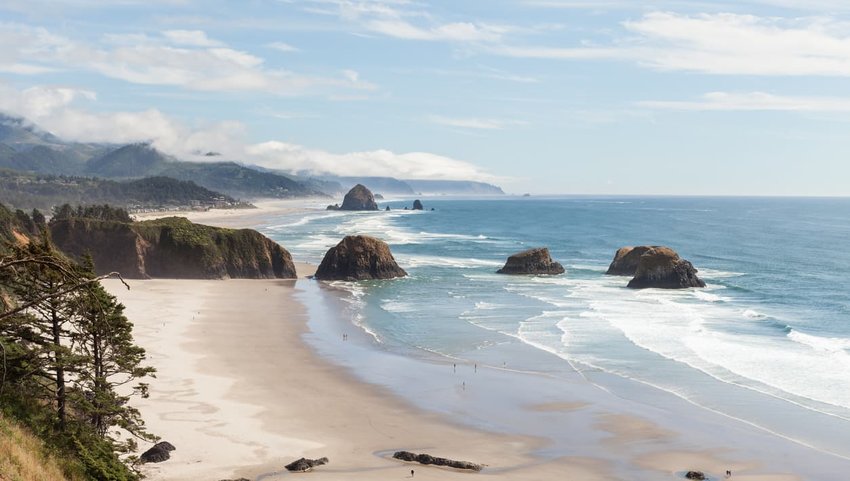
(532, 261)
(417, 205)
(359, 198)
(661, 267)
(358, 258)
(626, 260)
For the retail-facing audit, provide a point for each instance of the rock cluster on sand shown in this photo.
(358, 258)
(655, 266)
(532, 261)
(417, 205)
(158, 453)
(304, 464)
(428, 459)
(695, 475)
(359, 198)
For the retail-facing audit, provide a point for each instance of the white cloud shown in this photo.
(194, 38)
(723, 44)
(752, 101)
(283, 47)
(55, 109)
(474, 123)
(197, 63)
(417, 165)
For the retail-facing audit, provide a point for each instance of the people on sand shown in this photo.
(728, 473)
(411, 473)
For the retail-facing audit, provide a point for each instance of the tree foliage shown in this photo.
(70, 365)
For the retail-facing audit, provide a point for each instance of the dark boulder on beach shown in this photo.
(428, 459)
(158, 453)
(626, 260)
(532, 261)
(359, 198)
(358, 258)
(304, 464)
(417, 205)
(698, 475)
(661, 267)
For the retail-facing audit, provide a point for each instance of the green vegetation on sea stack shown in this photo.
(172, 247)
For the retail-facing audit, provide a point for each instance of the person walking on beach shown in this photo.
(411, 473)
(454, 367)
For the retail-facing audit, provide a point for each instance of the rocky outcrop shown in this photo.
(699, 475)
(358, 258)
(332, 207)
(174, 248)
(428, 459)
(359, 198)
(417, 205)
(158, 453)
(626, 260)
(532, 261)
(662, 267)
(304, 464)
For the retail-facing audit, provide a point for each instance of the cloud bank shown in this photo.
(57, 110)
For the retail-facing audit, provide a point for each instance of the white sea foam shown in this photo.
(439, 261)
(838, 345)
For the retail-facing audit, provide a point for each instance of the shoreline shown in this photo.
(244, 218)
(242, 399)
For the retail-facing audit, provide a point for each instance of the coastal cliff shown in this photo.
(172, 247)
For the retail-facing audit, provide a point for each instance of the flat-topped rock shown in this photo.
(359, 198)
(661, 267)
(358, 258)
(626, 260)
(532, 261)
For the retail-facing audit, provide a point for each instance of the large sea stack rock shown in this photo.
(359, 198)
(417, 205)
(173, 248)
(626, 260)
(662, 267)
(532, 261)
(358, 258)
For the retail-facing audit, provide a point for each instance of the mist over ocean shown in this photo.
(767, 341)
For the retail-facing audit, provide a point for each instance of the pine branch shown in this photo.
(74, 287)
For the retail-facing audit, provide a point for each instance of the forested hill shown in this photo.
(27, 191)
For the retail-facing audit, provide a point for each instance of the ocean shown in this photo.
(765, 344)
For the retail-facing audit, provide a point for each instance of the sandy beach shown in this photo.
(242, 218)
(240, 394)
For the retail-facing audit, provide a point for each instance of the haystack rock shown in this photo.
(626, 260)
(662, 267)
(358, 258)
(417, 205)
(532, 261)
(359, 198)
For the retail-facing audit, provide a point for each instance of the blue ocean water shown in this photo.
(772, 327)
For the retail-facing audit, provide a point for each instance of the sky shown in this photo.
(674, 97)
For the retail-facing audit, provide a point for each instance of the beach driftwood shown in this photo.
(160, 452)
(305, 464)
(428, 459)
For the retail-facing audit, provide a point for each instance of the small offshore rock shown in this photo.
(417, 205)
(304, 464)
(626, 260)
(532, 261)
(661, 267)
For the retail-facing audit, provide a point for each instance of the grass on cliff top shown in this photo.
(23, 457)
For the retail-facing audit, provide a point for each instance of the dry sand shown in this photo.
(242, 218)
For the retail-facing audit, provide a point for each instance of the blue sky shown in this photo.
(542, 96)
